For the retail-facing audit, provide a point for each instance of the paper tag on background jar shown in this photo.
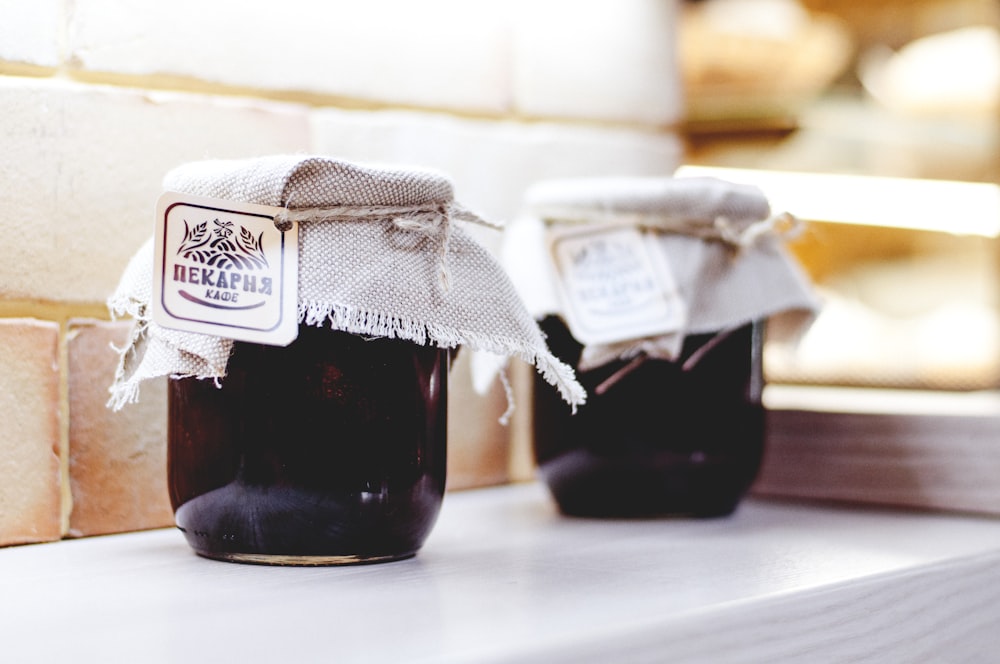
(614, 284)
(223, 268)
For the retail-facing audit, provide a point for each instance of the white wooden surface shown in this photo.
(503, 578)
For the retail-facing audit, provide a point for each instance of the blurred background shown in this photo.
(907, 90)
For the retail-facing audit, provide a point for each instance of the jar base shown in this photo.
(592, 509)
(294, 526)
(586, 485)
(278, 560)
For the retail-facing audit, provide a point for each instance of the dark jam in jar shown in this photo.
(662, 440)
(330, 450)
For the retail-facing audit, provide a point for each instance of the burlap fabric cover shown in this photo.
(380, 254)
(719, 238)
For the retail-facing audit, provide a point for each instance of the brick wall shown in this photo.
(98, 99)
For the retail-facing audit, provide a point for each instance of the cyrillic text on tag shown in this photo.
(223, 268)
(614, 284)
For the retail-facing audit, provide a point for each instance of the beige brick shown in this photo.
(117, 460)
(30, 32)
(30, 473)
(83, 166)
(598, 59)
(478, 445)
(434, 53)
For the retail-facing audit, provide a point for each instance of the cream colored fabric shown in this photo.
(719, 238)
(380, 254)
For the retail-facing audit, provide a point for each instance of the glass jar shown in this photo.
(330, 450)
(328, 447)
(657, 291)
(666, 437)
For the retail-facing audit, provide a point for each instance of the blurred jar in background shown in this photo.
(656, 291)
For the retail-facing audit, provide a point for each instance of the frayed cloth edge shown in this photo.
(356, 321)
(560, 375)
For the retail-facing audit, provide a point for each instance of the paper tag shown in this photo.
(223, 268)
(613, 285)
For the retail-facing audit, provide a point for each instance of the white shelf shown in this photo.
(503, 578)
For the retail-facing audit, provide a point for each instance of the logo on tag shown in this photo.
(223, 268)
(614, 284)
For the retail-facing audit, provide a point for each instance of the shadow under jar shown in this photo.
(331, 450)
(664, 439)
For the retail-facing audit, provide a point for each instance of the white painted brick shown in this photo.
(493, 163)
(437, 53)
(611, 60)
(30, 31)
(30, 474)
(117, 459)
(82, 167)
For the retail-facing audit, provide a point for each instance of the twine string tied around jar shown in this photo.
(721, 228)
(432, 221)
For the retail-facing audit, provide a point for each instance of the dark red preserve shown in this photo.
(329, 450)
(662, 439)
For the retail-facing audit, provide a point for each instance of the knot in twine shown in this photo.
(432, 221)
(783, 224)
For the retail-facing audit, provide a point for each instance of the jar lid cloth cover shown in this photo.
(722, 245)
(380, 254)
